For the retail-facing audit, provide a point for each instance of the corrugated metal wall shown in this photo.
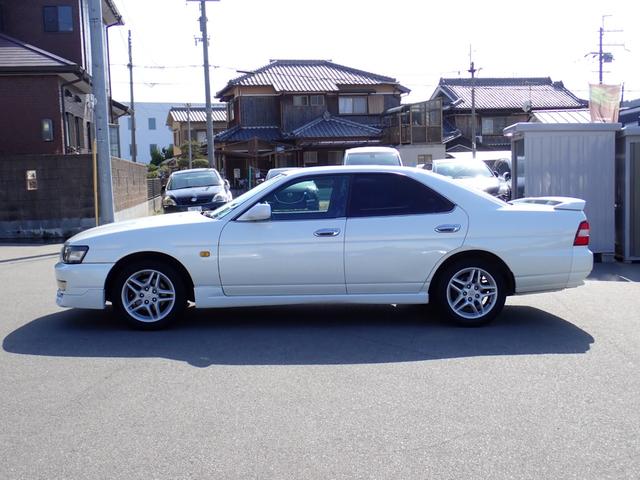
(576, 164)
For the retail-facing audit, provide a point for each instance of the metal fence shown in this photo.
(154, 188)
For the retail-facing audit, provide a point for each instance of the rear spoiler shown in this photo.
(558, 203)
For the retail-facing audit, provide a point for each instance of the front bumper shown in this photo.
(184, 208)
(81, 285)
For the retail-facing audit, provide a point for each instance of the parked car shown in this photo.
(195, 189)
(473, 174)
(372, 156)
(503, 168)
(378, 235)
(277, 171)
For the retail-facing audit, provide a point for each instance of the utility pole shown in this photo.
(101, 111)
(189, 134)
(604, 57)
(472, 70)
(207, 85)
(134, 147)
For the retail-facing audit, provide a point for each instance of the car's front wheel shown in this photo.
(471, 293)
(149, 295)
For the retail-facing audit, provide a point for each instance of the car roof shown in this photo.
(371, 150)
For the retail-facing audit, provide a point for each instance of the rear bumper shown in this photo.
(581, 266)
(81, 285)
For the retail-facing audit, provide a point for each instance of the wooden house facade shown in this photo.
(301, 113)
(499, 102)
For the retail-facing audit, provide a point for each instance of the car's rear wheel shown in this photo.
(471, 293)
(149, 295)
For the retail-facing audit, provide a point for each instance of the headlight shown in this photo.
(168, 202)
(220, 197)
(74, 253)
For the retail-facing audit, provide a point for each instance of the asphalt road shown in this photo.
(550, 391)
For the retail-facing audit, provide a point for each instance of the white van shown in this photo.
(372, 156)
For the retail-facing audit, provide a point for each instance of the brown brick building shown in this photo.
(45, 76)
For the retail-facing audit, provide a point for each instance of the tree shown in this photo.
(156, 157)
(167, 152)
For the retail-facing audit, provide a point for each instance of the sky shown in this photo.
(415, 41)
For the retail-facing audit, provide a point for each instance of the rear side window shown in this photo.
(383, 194)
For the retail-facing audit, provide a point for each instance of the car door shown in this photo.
(299, 251)
(397, 230)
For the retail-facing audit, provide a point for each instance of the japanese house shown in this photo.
(301, 113)
(499, 102)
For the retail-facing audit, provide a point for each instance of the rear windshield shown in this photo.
(372, 158)
(462, 169)
(195, 179)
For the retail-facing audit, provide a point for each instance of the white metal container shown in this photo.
(572, 160)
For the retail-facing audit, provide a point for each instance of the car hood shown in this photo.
(139, 224)
(195, 192)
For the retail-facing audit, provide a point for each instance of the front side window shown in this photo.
(57, 19)
(309, 198)
(353, 105)
(383, 194)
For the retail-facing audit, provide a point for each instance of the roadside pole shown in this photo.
(189, 135)
(211, 152)
(101, 117)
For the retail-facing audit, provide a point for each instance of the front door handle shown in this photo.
(448, 228)
(327, 232)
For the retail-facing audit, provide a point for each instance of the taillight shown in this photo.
(582, 235)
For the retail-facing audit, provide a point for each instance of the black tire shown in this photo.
(467, 314)
(169, 280)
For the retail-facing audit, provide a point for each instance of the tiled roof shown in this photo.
(309, 76)
(507, 93)
(243, 134)
(327, 126)
(15, 54)
(563, 116)
(198, 114)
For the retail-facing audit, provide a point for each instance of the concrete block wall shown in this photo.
(62, 204)
(129, 183)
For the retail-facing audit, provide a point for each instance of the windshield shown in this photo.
(462, 169)
(372, 158)
(195, 179)
(227, 208)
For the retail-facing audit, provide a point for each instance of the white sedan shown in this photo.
(377, 235)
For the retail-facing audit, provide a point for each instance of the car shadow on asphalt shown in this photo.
(311, 335)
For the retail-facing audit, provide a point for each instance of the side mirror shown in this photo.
(506, 176)
(257, 213)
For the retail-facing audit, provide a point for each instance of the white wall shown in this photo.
(145, 137)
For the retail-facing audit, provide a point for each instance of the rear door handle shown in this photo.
(327, 232)
(448, 228)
